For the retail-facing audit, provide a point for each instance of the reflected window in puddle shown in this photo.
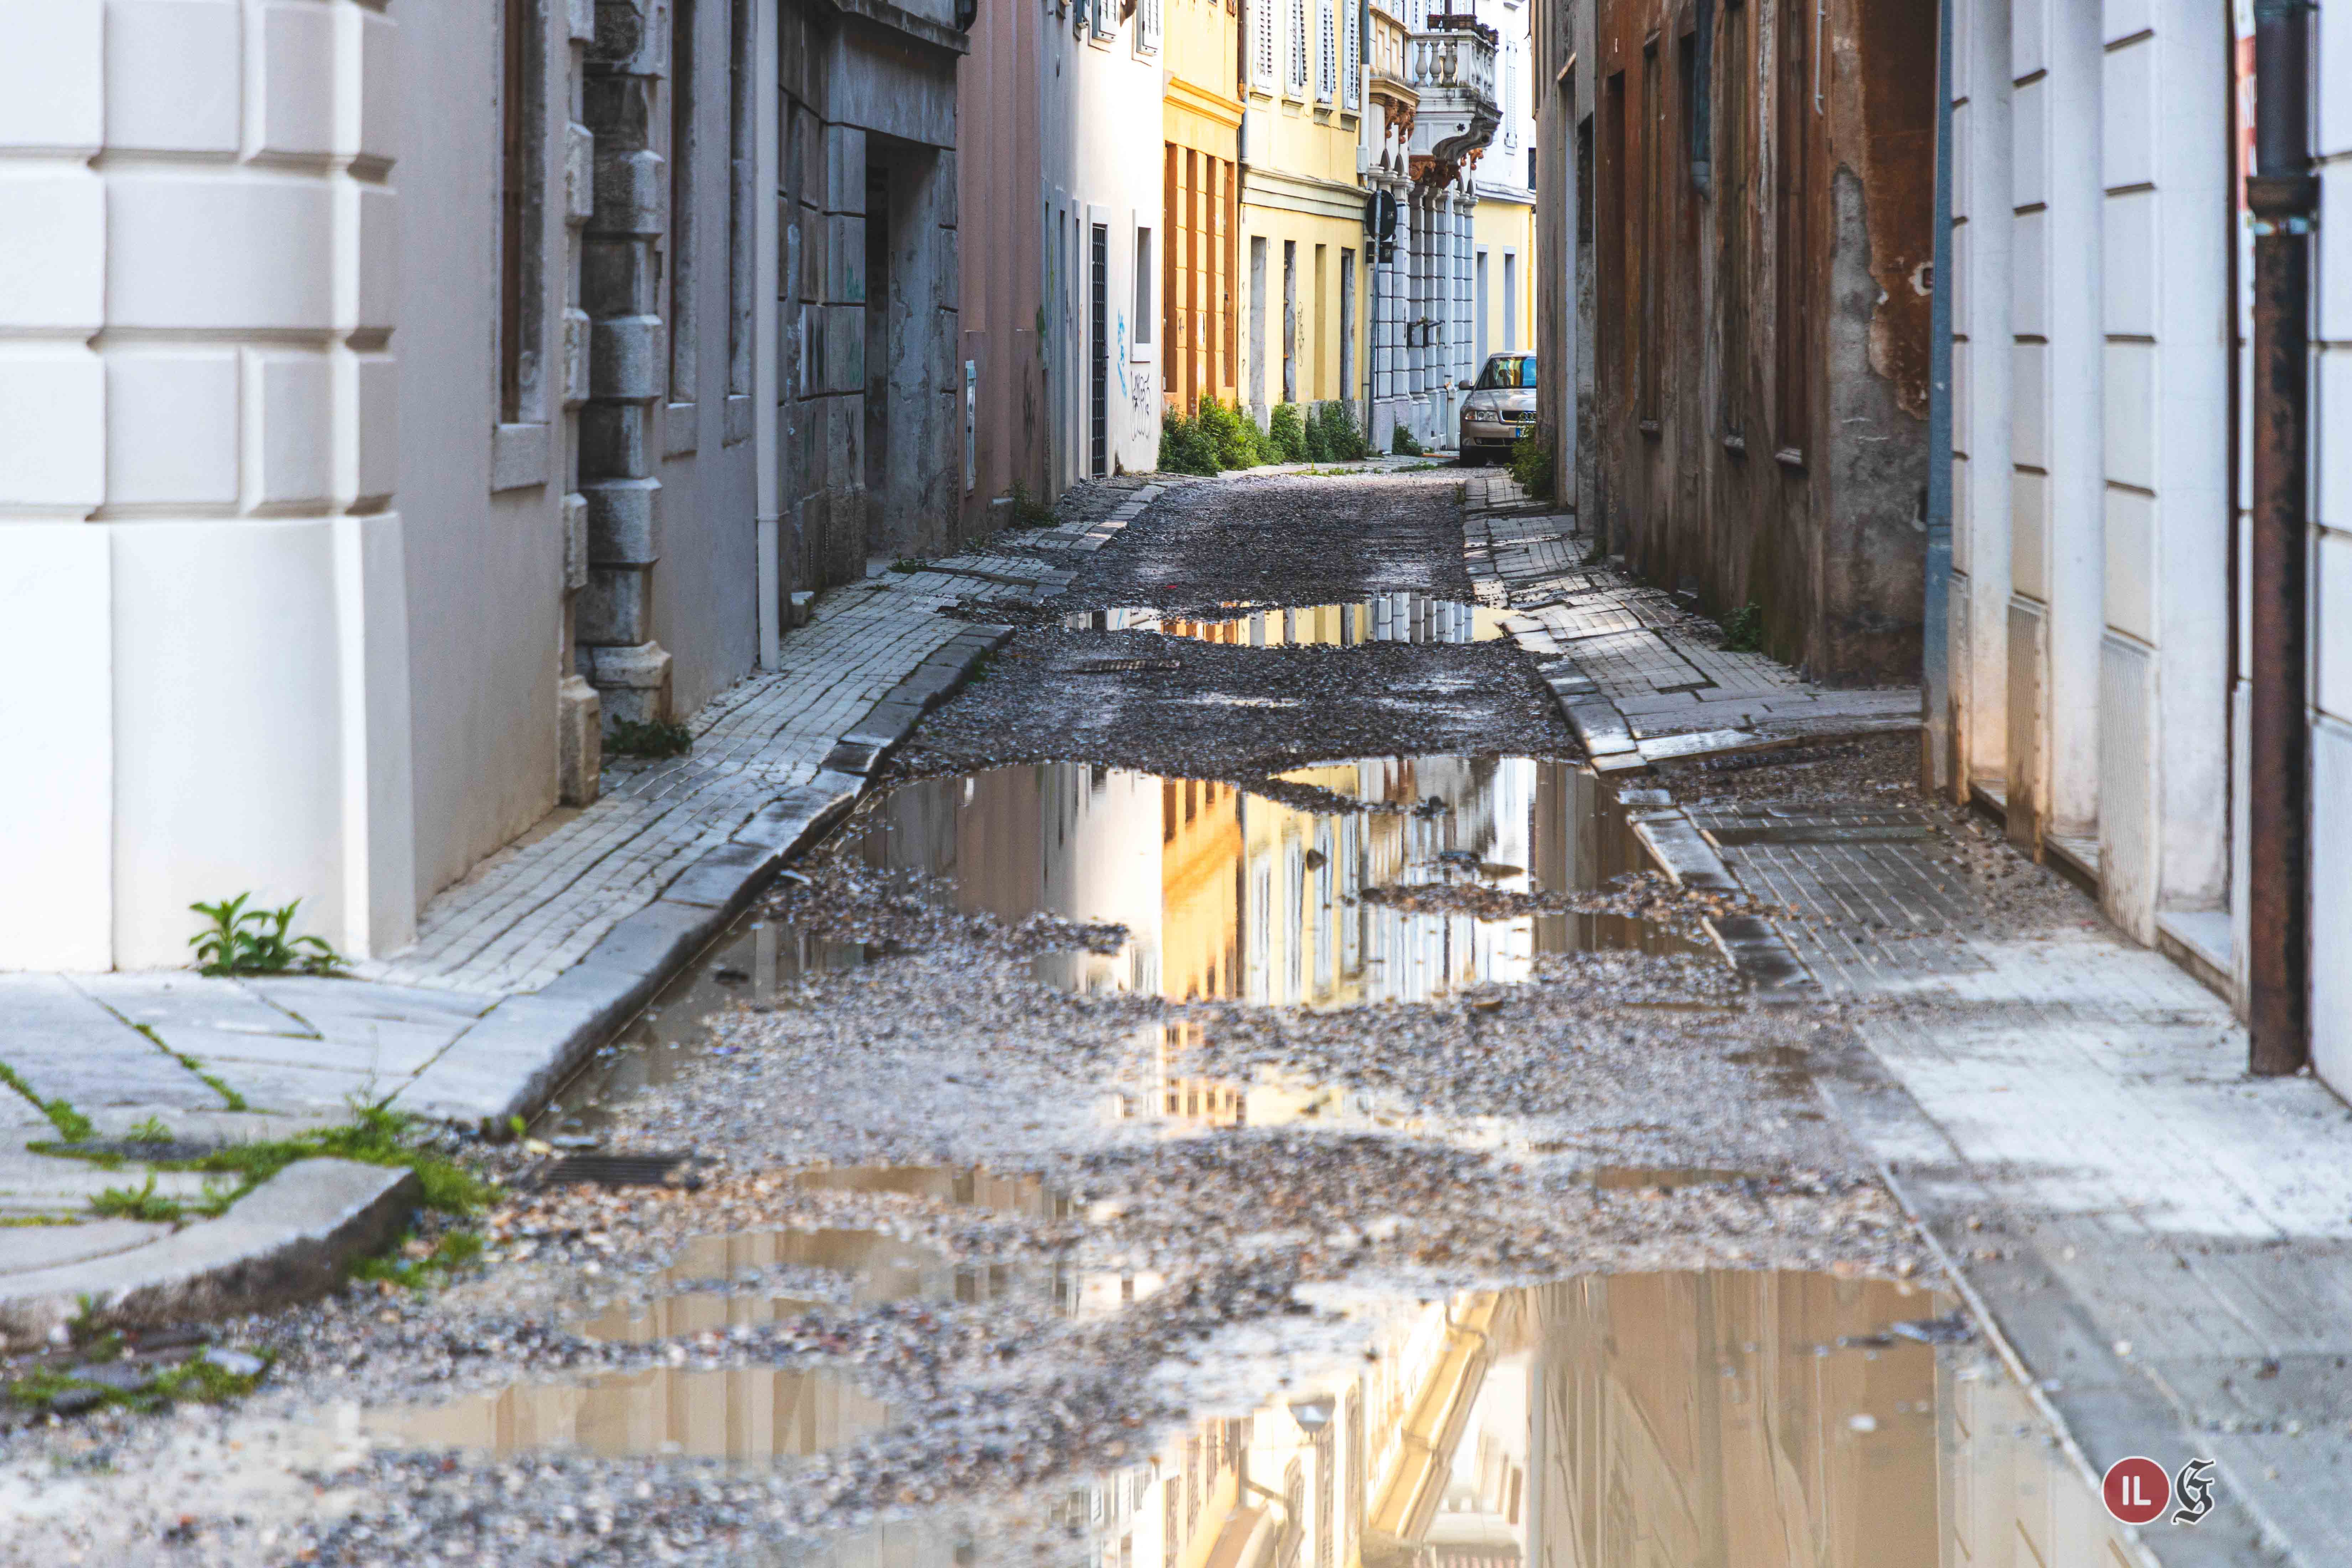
(1262, 896)
(1385, 617)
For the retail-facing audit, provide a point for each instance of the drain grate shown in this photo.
(1820, 833)
(598, 1169)
(1120, 665)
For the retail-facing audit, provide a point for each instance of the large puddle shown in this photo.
(1377, 879)
(1387, 618)
(1739, 1419)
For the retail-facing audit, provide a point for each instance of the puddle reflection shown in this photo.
(1232, 894)
(1688, 1419)
(1386, 617)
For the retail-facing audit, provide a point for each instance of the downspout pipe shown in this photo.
(2282, 195)
(767, 279)
(1936, 737)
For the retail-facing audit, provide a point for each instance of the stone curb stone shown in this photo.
(286, 1239)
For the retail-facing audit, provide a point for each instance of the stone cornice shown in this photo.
(898, 19)
(1210, 105)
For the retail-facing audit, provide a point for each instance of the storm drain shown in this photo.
(1120, 665)
(602, 1170)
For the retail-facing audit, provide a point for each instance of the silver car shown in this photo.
(1501, 408)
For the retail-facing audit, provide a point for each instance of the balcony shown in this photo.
(1452, 70)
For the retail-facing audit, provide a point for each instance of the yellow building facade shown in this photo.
(1201, 185)
(1503, 287)
(1302, 205)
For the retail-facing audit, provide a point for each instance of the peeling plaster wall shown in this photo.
(1810, 512)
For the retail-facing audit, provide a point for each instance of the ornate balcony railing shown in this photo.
(1452, 70)
(1460, 61)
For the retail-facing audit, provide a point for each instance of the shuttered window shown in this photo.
(1262, 43)
(1147, 25)
(1326, 47)
(1351, 65)
(1297, 80)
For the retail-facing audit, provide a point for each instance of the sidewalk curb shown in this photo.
(511, 1063)
(286, 1239)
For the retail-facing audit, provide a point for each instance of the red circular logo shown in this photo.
(2136, 1490)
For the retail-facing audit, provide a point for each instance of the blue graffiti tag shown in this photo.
(1122, 353)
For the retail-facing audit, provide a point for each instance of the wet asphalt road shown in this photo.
(1264, 1062)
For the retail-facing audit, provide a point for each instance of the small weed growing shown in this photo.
(71, 1124)
(1028, 511)
(123, 1203)
(1743, 630)
(647, 738)
(149, 1131)
(1405, 444)
(414, 1264)
(254, 942)
(906, 563)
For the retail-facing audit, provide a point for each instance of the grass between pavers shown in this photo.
(71, 1124)
(230, 1098)
(373, 1136)
(195, 1380)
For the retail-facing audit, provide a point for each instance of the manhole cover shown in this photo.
(603, 1170)
(1118, 666)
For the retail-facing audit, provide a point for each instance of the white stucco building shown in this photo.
(378, 420)
(2101, 618)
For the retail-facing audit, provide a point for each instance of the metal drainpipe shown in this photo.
(1935, 767)
(2283, 194)
(767, 262)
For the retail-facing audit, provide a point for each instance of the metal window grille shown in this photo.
(1298, 46)
(1326, 43)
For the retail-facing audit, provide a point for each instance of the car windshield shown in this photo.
(1509, 370)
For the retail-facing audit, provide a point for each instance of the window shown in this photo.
(1510, 299)
(1142, 287)
(681, 201)
(1326, 46)
(740, 171)
(1792, 316)
(1651, 131)
(1262, 43)
(520, 189)
(1297, 79)
(1351, 66)
(1148, 25)
(1105, 18)
(1730, 172)
(1507, 371)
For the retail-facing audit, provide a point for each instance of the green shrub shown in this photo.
(1185, 445)
(1743, 630)
(1233, 434)
(1285, 434)
(1342, 442)
(1405, 444)
(1531, 466)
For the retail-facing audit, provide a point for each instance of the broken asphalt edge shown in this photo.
(288, 1239)
(513, 1062)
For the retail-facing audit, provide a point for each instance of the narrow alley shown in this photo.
(1266, 1072)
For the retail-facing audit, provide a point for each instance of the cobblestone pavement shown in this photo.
(2165, 1243)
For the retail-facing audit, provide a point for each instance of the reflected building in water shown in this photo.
(1230, 893)
(1688, 1420)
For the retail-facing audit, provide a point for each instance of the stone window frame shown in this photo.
(680, 269)
(520, 445)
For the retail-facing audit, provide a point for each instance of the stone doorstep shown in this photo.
(286, 1239)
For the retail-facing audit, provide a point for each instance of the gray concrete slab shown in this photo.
(65, 1046)
(25, 1250)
